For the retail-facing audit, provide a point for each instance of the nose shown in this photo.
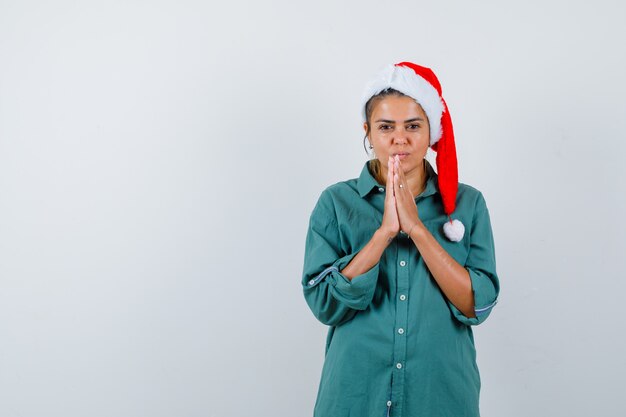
(400, 139)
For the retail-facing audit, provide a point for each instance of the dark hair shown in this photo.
(373, 101)
(369, 108)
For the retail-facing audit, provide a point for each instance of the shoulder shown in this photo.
(341, 189)
(335, 196)
(469, 197)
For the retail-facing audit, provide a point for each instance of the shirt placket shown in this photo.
(400, 330)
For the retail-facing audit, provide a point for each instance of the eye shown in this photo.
(413, 127)
(385, 127)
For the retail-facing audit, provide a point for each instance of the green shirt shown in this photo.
(396, 346)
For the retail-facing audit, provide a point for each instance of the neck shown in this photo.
(416, 179)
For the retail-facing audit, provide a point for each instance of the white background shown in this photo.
(159, 162)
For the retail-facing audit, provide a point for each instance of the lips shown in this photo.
(401, 155)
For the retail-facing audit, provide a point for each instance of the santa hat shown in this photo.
(421, 84)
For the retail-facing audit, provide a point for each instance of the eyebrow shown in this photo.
(415, 119)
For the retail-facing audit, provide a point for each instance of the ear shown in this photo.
(365, 127)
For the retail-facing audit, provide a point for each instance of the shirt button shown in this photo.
(403, 297)
(312, 282)
(389, 403)
(402, 263)
(381, 189)
(401, 330)
(399, 365)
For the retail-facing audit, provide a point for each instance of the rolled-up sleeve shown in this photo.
(481, 265)
(332, 297)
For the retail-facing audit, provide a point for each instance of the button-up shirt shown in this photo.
(396, 346)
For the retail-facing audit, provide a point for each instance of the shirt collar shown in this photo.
(366, 181)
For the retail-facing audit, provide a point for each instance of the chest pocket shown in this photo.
(458, 250)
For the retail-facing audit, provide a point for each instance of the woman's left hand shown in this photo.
(405, 201)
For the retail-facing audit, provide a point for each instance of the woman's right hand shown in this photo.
(391, 223)
(370, 254)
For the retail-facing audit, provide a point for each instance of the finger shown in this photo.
(396, 185)
(390, 173)
(402, 177)
(398, 172)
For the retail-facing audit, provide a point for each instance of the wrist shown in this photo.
(416, 230)
(385, 236)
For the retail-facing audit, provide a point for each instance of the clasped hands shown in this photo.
(400, 208)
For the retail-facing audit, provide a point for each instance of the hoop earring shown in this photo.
(370, 145)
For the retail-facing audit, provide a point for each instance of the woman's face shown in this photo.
(399, 126)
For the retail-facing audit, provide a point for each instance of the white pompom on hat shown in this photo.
(421, 84)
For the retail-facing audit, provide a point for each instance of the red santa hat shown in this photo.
(421, 84)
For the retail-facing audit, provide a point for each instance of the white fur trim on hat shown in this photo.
(454, 231)
(406, 81)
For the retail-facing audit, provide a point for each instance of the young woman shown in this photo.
(400, 263)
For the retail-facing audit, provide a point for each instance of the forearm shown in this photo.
(452, 278)
(369, 255)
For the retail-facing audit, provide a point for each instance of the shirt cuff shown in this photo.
(484, 299)
(356, 293)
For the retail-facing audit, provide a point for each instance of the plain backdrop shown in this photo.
(159, 161)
